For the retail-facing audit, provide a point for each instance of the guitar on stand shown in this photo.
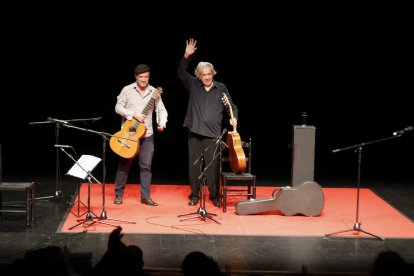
(125, 142)
(236, 153)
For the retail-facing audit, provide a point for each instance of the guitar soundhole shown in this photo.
(132, 130)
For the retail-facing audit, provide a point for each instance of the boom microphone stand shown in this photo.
(104, 135)
(58, 124)
(103, 213)
(359, 147)
(202, 212)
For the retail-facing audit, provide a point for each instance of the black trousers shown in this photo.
(207, 149)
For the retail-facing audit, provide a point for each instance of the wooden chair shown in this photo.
(237, 184)
(26, 188)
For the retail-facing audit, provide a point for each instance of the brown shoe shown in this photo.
(149, 201)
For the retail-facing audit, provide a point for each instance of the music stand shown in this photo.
(81, 169)
(357, 224)
(58, 124)
(201, 211)
(78, 201)
(103, 215)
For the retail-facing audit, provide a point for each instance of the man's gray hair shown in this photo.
(203, 64)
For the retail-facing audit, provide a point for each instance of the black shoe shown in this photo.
(149, 201)
(118, 200)
(193, 201)
(216, 202)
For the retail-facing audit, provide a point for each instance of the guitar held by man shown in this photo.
(237, 157)
(126, 142)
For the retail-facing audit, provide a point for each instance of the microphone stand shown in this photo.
(104, 135)
(58, 123)
(202, 212)
(359, 147)
(103, 214)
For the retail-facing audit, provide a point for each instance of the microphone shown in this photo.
(63, 146)
(402, 131)
(57, 120)
(214, 143)
(221, 135)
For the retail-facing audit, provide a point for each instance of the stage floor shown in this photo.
(244, 252)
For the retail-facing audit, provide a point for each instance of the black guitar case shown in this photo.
(306, 199)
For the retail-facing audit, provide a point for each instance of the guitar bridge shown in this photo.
(122, 142)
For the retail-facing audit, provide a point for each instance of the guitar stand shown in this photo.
(202, 212)
(357, 225)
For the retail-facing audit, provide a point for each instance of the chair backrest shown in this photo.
(225, 160)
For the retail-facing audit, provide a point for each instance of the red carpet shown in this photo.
(339, 214)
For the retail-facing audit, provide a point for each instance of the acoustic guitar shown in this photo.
(125, 142)
(237, 157)
(306, 199)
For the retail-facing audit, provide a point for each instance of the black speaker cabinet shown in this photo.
(303, 154)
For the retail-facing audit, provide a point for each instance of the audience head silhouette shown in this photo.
(390, 263)
(198, 263)
(120, 259)
(50, 260)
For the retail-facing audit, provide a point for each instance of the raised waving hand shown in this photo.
(190, 48)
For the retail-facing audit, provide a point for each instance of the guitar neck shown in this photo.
(232, 117)
(148, 106)
(156, 95)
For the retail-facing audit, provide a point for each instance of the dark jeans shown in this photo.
(196, 146)
(145, 154)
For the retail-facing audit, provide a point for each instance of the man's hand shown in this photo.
(114, 241)
(160, 128)
(233, 122)
(190, 48)
(140, 117)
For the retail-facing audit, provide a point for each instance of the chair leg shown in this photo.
(224, 195)
(254, 187)
(1, 206)
(32, 203)
(249, 190)
(28, 213)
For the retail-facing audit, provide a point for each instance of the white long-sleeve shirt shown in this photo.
(130, 101)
